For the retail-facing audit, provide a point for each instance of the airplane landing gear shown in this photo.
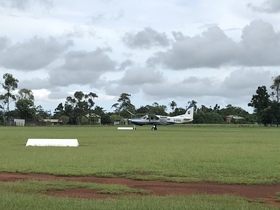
(154, 128)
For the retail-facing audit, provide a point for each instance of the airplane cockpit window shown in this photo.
(146, 117)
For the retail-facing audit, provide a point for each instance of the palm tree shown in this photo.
(172, 105)
(193, 102)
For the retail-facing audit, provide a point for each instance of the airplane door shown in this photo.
(163, 121)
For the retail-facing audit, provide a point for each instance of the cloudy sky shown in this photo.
(213, 52)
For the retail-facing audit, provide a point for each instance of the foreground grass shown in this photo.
(30, 195)
(42, 187)
(173, 153)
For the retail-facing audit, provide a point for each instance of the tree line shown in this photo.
(266, 106)
(80, 109)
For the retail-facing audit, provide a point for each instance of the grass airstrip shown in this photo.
(185, 153)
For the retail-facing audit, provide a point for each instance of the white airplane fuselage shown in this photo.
(164, 120)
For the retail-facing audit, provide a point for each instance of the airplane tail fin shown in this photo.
(189, 113)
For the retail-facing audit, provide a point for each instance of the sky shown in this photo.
(212, 52)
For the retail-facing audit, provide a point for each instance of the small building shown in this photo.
(96, 119)
(123, 121)
(230, 118)
(51, 121)
(19, 122)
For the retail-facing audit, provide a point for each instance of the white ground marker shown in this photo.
(53, 142)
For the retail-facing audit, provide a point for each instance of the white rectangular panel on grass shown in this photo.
(53, 142)
(125, 128)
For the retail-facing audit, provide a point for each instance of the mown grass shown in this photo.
(228, 154)
(30, 195)
(173, 153)
(42, 187)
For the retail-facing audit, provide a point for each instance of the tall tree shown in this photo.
(276, 93)
(173, 105)
(125, 102)
(105, 117)
(41, 113)
(25, 104)
(25, 94)
(81, 105)
(216, 107)
(77, 109)
(10, 84)
(59, 111)
(261, 102)
(194, 103)
(276, 88)
(116, 107)
(124, 105)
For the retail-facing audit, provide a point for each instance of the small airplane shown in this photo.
(164, 120)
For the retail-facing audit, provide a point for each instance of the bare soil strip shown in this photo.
(159, 188)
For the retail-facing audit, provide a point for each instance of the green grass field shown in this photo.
(186, 153)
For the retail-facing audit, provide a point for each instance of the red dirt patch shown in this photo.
(251, 192)
(80, 193)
